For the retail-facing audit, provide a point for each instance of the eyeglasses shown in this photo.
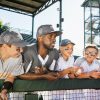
(93, 53)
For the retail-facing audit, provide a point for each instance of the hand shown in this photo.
(73, 70)
(51, 76)
(56, 74)
(40, 70)
(3, 95)
(94, 74)
(71, 76)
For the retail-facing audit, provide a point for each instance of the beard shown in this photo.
(48, 47)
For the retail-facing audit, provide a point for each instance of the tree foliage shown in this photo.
(4, 27)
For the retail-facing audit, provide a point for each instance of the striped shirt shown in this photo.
(12, 66)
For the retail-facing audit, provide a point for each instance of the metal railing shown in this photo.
(62, 89)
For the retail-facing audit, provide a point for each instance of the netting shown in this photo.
(77, 94)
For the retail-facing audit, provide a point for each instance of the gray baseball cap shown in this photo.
(64, 42)
(11, 37)
(47, 29)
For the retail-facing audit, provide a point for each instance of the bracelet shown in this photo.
(7, 85)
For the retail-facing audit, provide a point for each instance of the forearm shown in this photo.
(64, 72)
(71, 75)
(30, 76)
(98, 77)
(7, 85)
(10, 79)
(84, 75)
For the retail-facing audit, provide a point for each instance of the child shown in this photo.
(90, 66)
(11, 47)
(66, 60)
(89, 63)
(65, 63)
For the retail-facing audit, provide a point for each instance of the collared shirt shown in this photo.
(64, 64)
(11, 66)
(32, 58)
(81, 62)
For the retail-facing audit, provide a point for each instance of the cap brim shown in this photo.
(21, 43)
(72, 43)
(58, 33)
(2, 41)
(67, 44)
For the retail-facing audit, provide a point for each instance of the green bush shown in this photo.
(3, 27)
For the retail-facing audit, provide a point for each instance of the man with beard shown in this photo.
(40, 59)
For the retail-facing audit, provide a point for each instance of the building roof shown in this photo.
(28, 38)
(30, 7)
(91, 3)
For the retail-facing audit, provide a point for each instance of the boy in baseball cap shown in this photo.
(11, 47)
(65, 65)
(66, 60)
(40, 59)
(12, 38)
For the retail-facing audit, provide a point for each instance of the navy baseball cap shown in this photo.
(47, 29)
(64, 42)
(11, 37)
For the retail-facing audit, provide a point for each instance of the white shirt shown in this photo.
(64, 64)
(81, 62)
(11, 66)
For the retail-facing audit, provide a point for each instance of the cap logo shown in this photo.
(6, 39)
(40, 30)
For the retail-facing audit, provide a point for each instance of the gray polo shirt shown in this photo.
(11, 66)
(32, 58)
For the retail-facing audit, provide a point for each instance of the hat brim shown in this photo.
(67, 44)
(58, 33)
(2, 41)
(72, 43)
(20, 43)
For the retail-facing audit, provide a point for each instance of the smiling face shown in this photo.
(66, 51)
(90, 54)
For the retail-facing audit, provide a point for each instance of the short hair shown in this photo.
(92, 47)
